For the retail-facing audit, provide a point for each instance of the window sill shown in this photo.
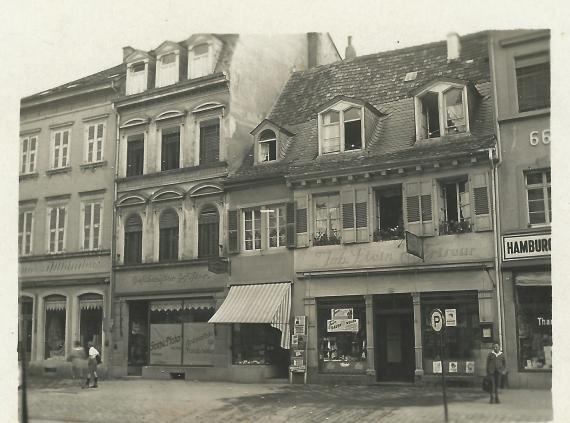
(525, 115)
(93, 165)
(59, 170)
(443, 138)
(25, 176)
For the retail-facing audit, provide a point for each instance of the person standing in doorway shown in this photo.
(496, 367)
(94, 358)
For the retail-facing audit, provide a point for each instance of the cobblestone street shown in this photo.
(187, 401)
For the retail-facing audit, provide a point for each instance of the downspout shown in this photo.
(497, 239)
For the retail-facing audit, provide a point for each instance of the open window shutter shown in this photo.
(347, 207)
(481, 208)
(233, 231)
(291, 241)
(412, 207)
(301, 221)
(441, 209)
(361, 209)
(426, 188)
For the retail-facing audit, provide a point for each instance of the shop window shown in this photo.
(55, 314)
(170, 152)
(462, 342)
(168, 235)
(94, 136)
(341, 130)
(534, 321)
(91, 225)
(267, 146)
(539, 197)
(28, 146)
(252, 229)
(57, 220)
(25, 328)
(277, 227)
(327, 220)
(208, 233)
(533, 82)
(342, 337)
(135, 155)
(258, 343)
(133, 239)
(389, 214)
(209, 141)
(25, 223)
(91, 320)
(455, 217)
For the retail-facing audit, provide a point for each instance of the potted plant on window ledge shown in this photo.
(389, 234)
(324, 238)
(453, 227)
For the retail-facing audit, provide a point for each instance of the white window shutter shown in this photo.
(412, 209)
(481, 208)
(426, 188)
(348, 216)
(361, 218)
(302, 220)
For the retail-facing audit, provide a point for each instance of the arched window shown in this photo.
(168, 245)
(133, 239)
(55, 308)
(208, 232)
(267, 146)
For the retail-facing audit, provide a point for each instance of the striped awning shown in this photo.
(261, 303)
(533, 279)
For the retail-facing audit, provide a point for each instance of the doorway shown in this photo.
(138, 337)
(394, 338)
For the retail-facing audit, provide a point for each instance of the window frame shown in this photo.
(138, 84)
(24, 233)
(253, 229)
(92, 229)
(172, 234)
(524, 62)
(193, 57)
(278, 210)
(341, 108)
(336, 235)
(169, 131)
(162, 67)
(98, 143)
(57, 229)
(26, 163)
(142, 136)
(139, 254)
(262, 142)
(547, 197)
(59, 149)
(199, 121)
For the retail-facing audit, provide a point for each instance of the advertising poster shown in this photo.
(166, 343)
(453, 367)
(342, 313)
(470, 367)
(198, 344)
(436, 366)
(342, 325)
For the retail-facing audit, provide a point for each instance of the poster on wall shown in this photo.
(299, 328)
(470, 367)
(453, 367)
(199, 343)
(436, 366)
(342, 325)
(166, 343)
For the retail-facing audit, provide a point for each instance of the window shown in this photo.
(135, 155)
(208, 233)
(533, 82)
(200, 61)
(168, 59)
(136, 78)
(28, 146)
(267, 146)
(168, 238)
(56, 227)
(454, 111)
(327, 220)
(133, 240)
(54, 335)
(442, 110)
(60, 149)
(170, 154)
(94, 143)
(25, 224)
(91, 226)
(257, 343)
(277, 227)
(456, 211)
(167, 70)
(341, 130)
(539, 197)
(389, 214)
(252, 229)
(209, 141)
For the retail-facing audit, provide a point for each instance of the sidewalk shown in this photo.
(186, 401)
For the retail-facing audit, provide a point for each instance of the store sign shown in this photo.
(414, 245)
(199, 343)
(526, 246)
(342, 325)
(450, 317)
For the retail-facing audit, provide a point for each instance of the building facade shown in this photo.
(521, 71)
(67, 156)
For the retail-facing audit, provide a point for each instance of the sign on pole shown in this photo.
(414, 245)
(450, 317)
(437, 319)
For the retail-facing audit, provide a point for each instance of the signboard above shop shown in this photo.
(527, 246)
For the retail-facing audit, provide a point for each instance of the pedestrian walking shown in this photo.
(77, 358)
(94, 359)
(496, 368)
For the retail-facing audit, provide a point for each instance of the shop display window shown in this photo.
(256, 343)
(462, 343)
(342, 336)
(55, 327)
(534, 320)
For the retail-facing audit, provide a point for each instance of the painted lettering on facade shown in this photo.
(64, 266)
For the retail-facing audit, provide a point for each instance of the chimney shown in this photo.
(349, 52)
(453, 46)
(313, 46)
(127, 51)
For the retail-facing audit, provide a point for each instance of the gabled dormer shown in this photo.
(345, 124)
(203, 53)
(442, 108)
(270, 141)
(171, 62)
(140, 70)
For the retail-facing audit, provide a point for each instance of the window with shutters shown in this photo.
(135, 155)
(209, 141)
(136, 77)
(91, 234)
(533, 82)
(57, 218)
(168, 235)
(276, 226)
(341, 129)
(199, 61)
(267, 146)
(418, 207)
(170, 151)
(167, 69)
(133, 240)
(208, 233)
(28, 153)
(95, 135)
(389, 214)
(25, 225)
(327, 220)
(252, 229)
(539, 199)
(60, 148)
(455, 216)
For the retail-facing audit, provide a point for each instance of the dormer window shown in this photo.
(267, 146)
(200, 64)
(167, 70)
(341, 130)
(441, 110)
(137, 78)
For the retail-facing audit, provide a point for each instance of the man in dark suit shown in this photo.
(496, 368)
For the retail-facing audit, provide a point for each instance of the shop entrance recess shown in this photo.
(138, 337)
(394, 337)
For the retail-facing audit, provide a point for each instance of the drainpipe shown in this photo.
(497, 239)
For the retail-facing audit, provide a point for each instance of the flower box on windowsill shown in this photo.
(388, 234)
(326, 239)
(454, 228)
